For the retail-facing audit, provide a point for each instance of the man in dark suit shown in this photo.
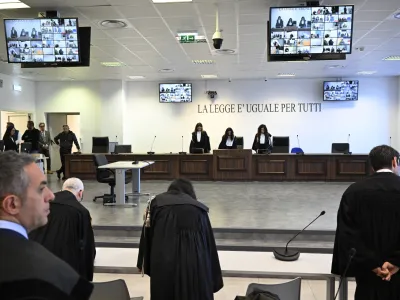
(27, 269)
(69, 234)
(44, 145)
(32, 135)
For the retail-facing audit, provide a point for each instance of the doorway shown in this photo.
(54, 125)
(18, 118)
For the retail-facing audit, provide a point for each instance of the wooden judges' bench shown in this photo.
(235, 165)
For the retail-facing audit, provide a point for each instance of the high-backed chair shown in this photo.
(115, 290)
(1, 145)
(100, 144)
(106, 176)
(286, 291)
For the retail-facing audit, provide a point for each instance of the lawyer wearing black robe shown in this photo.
(369, 221)
(204, 142)
(69, 234)
(29, 271)
(178, 250)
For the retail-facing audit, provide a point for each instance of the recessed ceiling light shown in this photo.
(113, 24)
(113, 64)
(11, 4)
(203, 61)
(366, 72)
(392, 57)
(136, 77)
(225, 51)
(170, 1)
(335, 67)
(286, 75)
(397, 15)
(165, 70)
(209, 76)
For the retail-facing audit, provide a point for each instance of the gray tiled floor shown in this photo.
(235, 204)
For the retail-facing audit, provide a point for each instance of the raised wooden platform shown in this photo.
(235, 165)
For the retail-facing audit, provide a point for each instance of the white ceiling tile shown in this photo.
(254, 7)
(132, 41)
(381, 5)
(367, 25)
(130, 2)
(183, 24)
(121, 33)
(253, 19)
(99, 13)
(253, 29)
(371, 16)
(147, 23)
(176, 10)
(103, 42)
(98, 34)
(209, 9)
(129, 11)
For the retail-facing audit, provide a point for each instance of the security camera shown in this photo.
(217, 40)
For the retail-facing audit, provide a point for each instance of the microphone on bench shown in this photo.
(352, 253)
(182, 152)
(292, 255)
(151, 149)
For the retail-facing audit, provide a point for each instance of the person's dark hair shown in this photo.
(13, 178)
(226, 133)
(197, 125)
(31, 123)
(183, 186)
(381, 157)
(41, 124)
(8, 132)
(10, 124)
(259, 130)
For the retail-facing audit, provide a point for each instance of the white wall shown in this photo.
(132, 112)
(14, 101)
(369, 121)
(98, 102)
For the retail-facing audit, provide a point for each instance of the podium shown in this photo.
(234, 164)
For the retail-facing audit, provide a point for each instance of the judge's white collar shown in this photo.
(384, 171)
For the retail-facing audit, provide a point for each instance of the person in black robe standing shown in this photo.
(368, 220)
(68, 233)
(27, 269)
(177, 247)
(262, 140)
(200, 140)
(228, 140)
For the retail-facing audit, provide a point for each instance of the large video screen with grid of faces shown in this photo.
(308, 30)
(42, 40)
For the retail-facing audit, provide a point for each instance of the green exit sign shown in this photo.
(187, 39)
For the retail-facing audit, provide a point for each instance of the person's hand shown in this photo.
(390, 270)
(380, 272)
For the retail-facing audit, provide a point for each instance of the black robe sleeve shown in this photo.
(89, 247)
(255, 144)
(207, 146)
(234, 145)
(347, 237)
(222, 144)
(192, 144)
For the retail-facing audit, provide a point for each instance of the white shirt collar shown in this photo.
(14, 227)
(384, 171)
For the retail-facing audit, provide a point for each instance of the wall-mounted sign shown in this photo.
(259, 108)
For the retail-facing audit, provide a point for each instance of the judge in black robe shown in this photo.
(262, 140)
(228, 140)
(68, 233)
(177, 247)
(369, 221)
(200, 139)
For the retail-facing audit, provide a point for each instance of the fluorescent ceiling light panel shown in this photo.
(136, 77)
(392, 57)
(17, 87)
(112, 64)
(170, 1)
(209, 76)
(12, 4)
(366, 72)
(286, 75)
(203, 61)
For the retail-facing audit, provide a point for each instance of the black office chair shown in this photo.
(1, 145)
(107, 176)
(115, 289)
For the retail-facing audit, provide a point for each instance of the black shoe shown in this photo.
(58, 174)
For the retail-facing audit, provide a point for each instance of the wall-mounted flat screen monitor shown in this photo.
(42, 40)
(341, 90)
(175, 92)
(311, 30)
